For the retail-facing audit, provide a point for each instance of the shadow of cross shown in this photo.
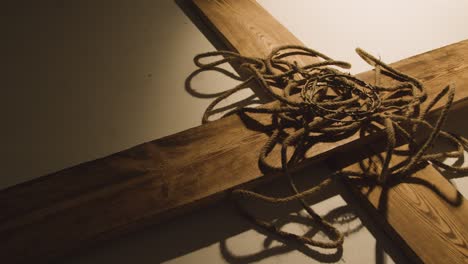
(166, 177)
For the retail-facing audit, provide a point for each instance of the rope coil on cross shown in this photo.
(318, 99)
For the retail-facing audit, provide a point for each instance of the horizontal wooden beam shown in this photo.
(98, 200)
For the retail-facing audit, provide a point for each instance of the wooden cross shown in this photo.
(172, 175)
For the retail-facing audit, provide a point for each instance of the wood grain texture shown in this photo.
(434, 229)
(424, 212)
(245, 26)
(53, 215)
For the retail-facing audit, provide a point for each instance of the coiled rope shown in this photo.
(319, 100)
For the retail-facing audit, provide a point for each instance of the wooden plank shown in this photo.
(250, 30)
(424, 212)
(102, 199)
(434, 230)
(245, 26)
